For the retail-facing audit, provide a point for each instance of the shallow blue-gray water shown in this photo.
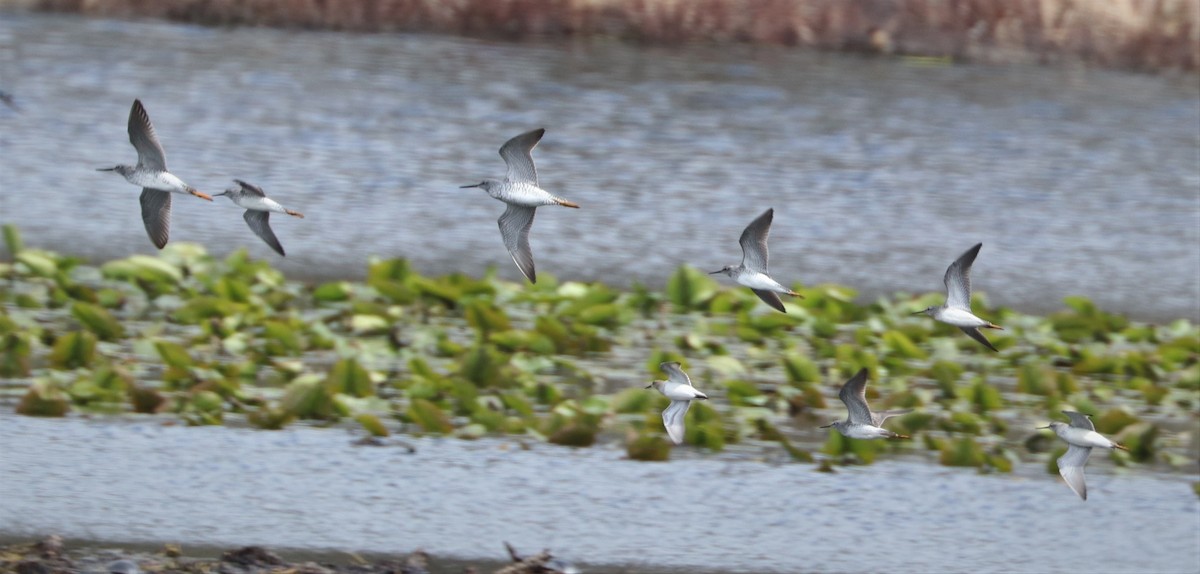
(310, 489)
(881, 171)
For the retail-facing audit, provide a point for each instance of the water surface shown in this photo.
(304, 488)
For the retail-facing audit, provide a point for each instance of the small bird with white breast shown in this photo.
(258, 211)
(860, 422)
(519, 189)
(1081, 437)
(957, 310)
(151, 174)
(752, 272)
(678, 387)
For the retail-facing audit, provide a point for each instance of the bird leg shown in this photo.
(294, 213)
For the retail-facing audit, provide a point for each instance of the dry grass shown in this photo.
(1129, 34)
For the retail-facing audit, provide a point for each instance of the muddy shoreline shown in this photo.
(54, 555)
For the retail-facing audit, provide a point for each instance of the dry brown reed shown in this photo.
(1128, 34)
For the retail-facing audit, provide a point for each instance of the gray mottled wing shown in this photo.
(514, 227)
(675, 373)
(1070, 466)
(974, 333)
(958, 279)
(754, 243)
(1080, 420)
(156, 215)
(878, 418)
(770, 298)
(251, 188)
(144, 140)
(517, 154)
(673, 419)
(854, 395)
(260, 224)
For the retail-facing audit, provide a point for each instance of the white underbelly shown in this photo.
(761, 281)
(961, 318)
(161, 181)
(526, 195)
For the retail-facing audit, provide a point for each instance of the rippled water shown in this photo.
(308, 488)
(881, 171)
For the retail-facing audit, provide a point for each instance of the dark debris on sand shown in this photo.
(49, 556)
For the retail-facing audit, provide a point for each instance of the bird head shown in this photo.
(728, 270)
(487, 185)
(925, 311)
(124, 170)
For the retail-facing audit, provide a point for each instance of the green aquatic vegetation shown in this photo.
(44, 399)
(106, 384)
(570, 425)
(648, 447)
(99, 321)
(946, 374)
(203, 309)
(372, 424)
(203, 408)
(74, 350)
(1112, 421)
(962, 451)
(1034, 378)
(899, 344)
(515, 358)
(704, 427)
(1141, 440)
(350, 378)
(984, 397)
(999, 459)
(12, 239)
(800, 370)
(850, 451)
(633, 400)
(766, 431)
(37, 263)
(486, 318)
(281, 338)
(743, 393)
(689, 289)
(962, 422)
(152, 275)
(15, 355)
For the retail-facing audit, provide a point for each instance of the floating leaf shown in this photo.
(349, 377)
(369, 325)
(372, 424)
(800, 369)
(144, 268)
(43, 399)
(688, 288)
(38, 263)
(74, 350)
(307, 397)
(12, 239)
(332, 292)
(145, 400)
(174, 355)
(963, 451)
(14, 355)
(429, 417)
(648, 447)
(98, 321)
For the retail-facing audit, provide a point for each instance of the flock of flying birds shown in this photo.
(520, 191)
